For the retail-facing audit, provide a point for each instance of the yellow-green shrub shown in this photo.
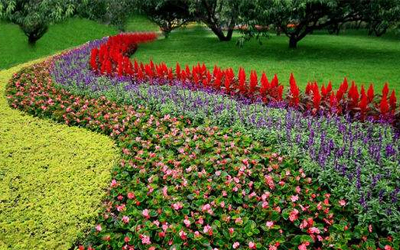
(52, 179)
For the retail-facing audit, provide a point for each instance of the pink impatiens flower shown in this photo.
(131, 195)
(145, 239)
(236, 245)
(125, 219)
(270, 224)
(342, 203)
(252, 245)
(208, 230)
(145, 213)
(314, 230)
(187, 222)
(294, 215)
(98, 228)
(294, 198)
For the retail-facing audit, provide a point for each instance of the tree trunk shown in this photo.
(293, 42)
(220, 34)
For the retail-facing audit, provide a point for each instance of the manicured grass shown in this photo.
(140, 23)
(52, 178)
(14, 48)
(320, 57)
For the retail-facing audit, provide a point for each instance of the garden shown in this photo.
(173, 134)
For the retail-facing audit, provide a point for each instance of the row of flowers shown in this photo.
(112, 59)
(180, 186)
(358, 161)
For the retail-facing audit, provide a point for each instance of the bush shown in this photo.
(52, 179)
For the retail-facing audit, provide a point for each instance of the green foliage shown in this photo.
(52, 179)
(167, 14)
(113, 12)
(34, 16)
(380, 15)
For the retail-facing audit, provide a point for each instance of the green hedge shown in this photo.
(52, 179)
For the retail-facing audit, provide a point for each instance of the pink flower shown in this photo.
(196, 234)
(165, 191)
(304, 246)
(272, 247)
(235, 245)
(183, 235)
(231, 230)
(270, 224)
(342, 203)
(314, 230)
(294, 198)
(114, 183)
(127, 239)
(238, 220)
(208, 229)
(98, 228)
(294, 215)
(298, 189)
(218, 173)
(146, 213)
(187, 222)
(252, 245)
(265, 204)
(387, 247)
(131, 195)
(222, 204)
(145, 239)
(125, 219)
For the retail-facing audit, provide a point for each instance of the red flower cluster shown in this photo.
(113, 59)
(113, 56)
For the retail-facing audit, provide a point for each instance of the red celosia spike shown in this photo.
(253, 81)
(136, 66)
(329, 87)
(308, 88)
(187, 69)
(294, 90)
(183, 76)
(385, 90)
(215, 71)
(363, 105)
(151, 64)
(108, 67)
(242, 80)
(363, 93)
(227, 82)
(264, 84)
(208, 74)
(384, 106)
(128, 66)
(178, 70)
(274, 82)
(195, 78)
(344, 85)
(120, 67)
(170, 74)
(93, 59)
(280, 92)
(370, 93)
(317, 96)
(140, 74)
(324, 92)
(332, 100)
(393, 100)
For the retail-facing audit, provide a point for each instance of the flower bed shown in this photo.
(113, 60)
(358, 161)
(182, 186)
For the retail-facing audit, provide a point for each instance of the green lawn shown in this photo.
(14, 48)
(319, 57)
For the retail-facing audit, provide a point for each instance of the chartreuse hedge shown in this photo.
(52, 178)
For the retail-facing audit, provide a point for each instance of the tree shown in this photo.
(380, 15)
(217, 14)
(35, 16)
(114, 12)
(298, 18)
(167, 14)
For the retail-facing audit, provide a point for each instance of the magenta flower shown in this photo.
(98, 228)
(125, 219)
(236, 245)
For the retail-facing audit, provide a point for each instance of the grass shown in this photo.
(14, 48)
(320, 57)
(52, 178)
